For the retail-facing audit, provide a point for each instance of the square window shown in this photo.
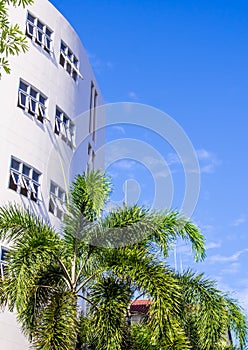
(56, 201)
(31, 99)
(69, 61)
(24, 179)
(38, 30)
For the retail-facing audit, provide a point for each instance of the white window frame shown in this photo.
(64, 127)
(24, 181)
(59, 204)
(45, 37)
(70, 60)
(39, 110)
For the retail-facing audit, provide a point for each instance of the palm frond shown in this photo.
(58, 323)
(208, 313)
(89, 193)
(111, 297)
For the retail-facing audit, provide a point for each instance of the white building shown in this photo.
(49, 127)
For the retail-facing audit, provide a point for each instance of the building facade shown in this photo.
(50, 127)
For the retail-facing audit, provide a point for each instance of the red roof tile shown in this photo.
(140, 306)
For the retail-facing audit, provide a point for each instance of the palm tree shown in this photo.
(50, 274)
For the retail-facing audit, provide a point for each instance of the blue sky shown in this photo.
(188, 59)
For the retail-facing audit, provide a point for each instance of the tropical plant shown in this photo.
(12, 40)
(106, 260)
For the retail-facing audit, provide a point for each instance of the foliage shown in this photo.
(12, 40)
(49, 275)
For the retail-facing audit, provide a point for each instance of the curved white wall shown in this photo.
(36, 143)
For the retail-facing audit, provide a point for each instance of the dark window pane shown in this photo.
(58, 113)
(75, 61)
(15, 164)
(12, 183)
(74, 75)
(68, 67)
(30, 18)
(70, 54)
(40, 25)
(39, 36)
(36, 176)
(32, 107)
(53, 188)
(62, 60)
(4, 251)
(24, 191)
(48, 32)
(51, 206)
(22, 101)
(61, 194)
(42, 99)
(23, 86)
(65, 119)
(63, 47)
(48, 43)
(26, 170)
(33, 93)
(30, 29)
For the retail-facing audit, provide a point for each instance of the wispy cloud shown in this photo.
(125, 164)
(133, 95)
(241, 220)
(225, 259)
(208, 161)
(213, 245)
(206, 228)
(98, 64)
(233, 268)
(157, 165)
